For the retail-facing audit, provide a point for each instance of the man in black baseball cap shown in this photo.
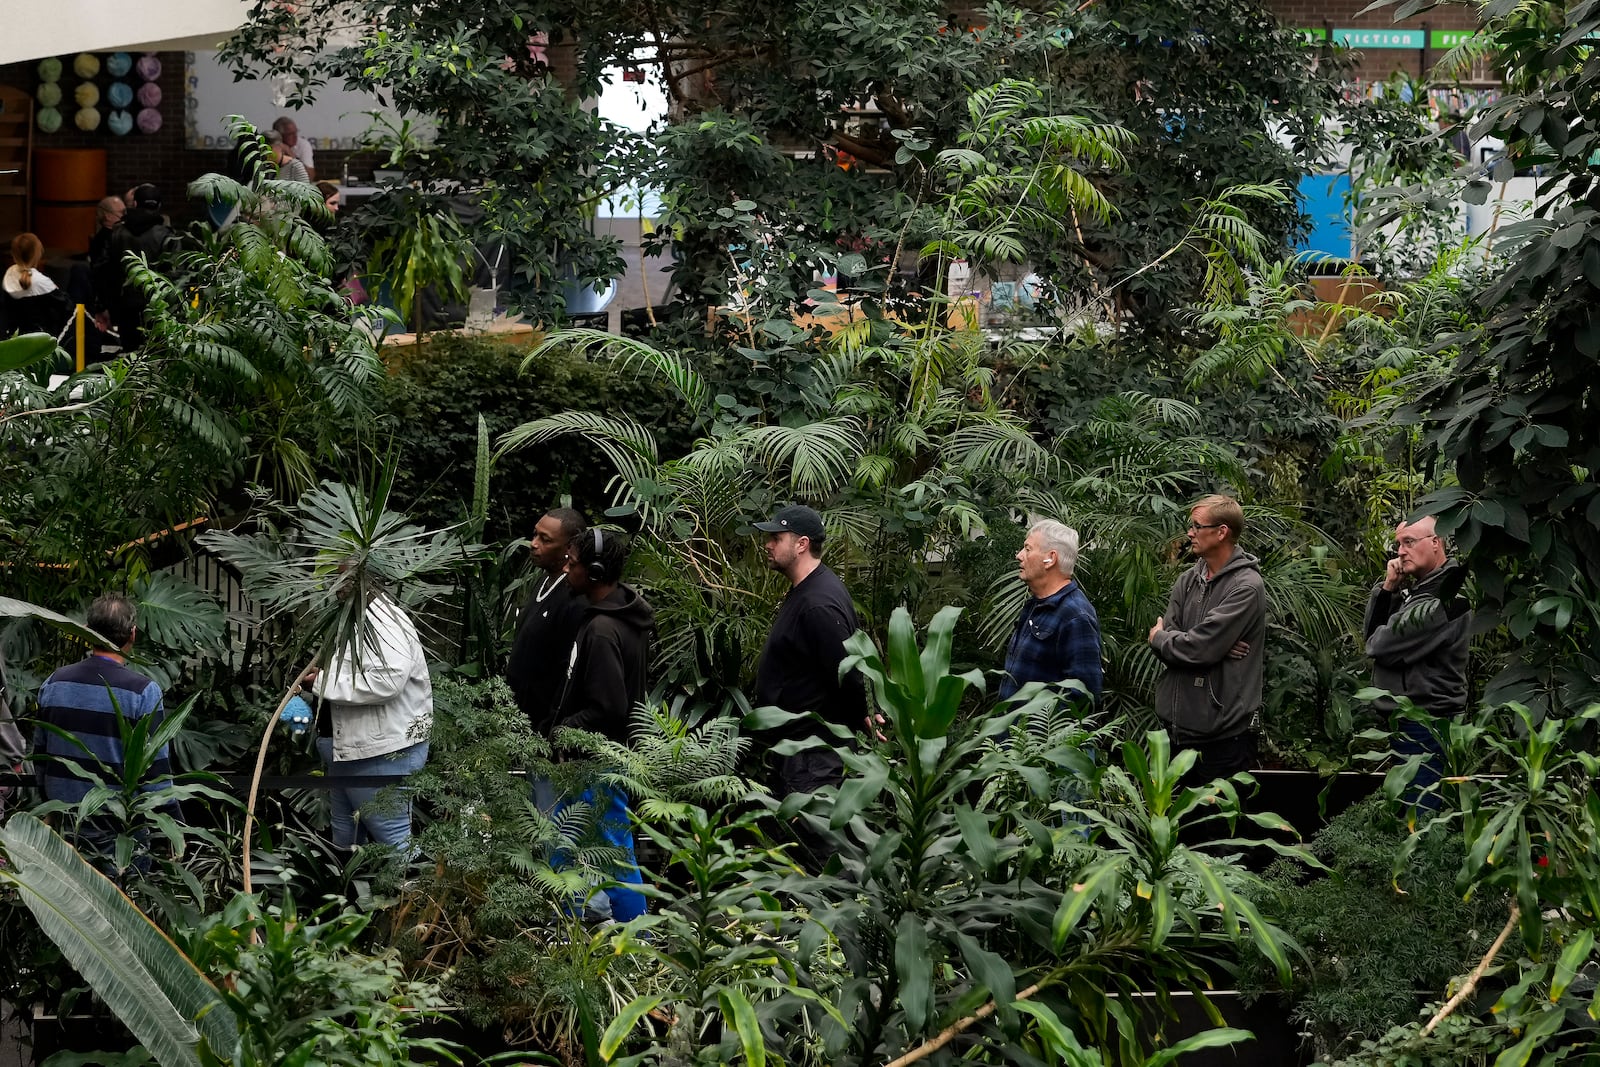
(799, 669)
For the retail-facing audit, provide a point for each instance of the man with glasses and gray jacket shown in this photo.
(1210, 641)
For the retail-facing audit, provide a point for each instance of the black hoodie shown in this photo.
(610, 660)
(144, 232)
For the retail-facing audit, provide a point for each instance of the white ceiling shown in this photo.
(64, 27)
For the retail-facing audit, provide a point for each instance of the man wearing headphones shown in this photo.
(799, 669)
(1058, 633)
(606, 679)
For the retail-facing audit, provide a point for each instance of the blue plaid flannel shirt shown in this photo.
(1057, 637)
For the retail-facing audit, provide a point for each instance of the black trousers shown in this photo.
(1219, 757)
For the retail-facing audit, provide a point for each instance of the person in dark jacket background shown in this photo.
(606, 680)
(1210, 641)
(1418, 628)
(144, 232)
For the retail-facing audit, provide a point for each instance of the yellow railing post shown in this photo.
(78, 324)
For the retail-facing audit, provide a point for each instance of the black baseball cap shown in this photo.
(795, 519)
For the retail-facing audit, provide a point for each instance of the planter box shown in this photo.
(1306, 799)
(1277, 1043)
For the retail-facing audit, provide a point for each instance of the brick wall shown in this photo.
(160, 158)
(1376, 64)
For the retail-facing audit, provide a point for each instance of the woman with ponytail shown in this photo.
(23, 277)
(32, 303)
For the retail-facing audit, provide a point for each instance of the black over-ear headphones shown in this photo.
(597, 569)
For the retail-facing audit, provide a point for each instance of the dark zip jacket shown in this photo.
(541, 651)
(610, 662)
(1417, 637)
(1204, 695)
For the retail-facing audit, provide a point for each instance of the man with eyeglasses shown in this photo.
(1418, 627)
(1210, 640)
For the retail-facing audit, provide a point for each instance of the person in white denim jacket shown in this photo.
(381, 705)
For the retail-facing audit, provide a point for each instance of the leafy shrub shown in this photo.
(1375, 952)
(435, 396)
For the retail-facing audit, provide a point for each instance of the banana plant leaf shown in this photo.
(151, 985)
(21, 609)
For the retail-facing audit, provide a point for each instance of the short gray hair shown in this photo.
(114, 617)
(1059, 538)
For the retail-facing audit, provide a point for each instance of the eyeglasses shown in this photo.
(1413, 542)
(1204, 526)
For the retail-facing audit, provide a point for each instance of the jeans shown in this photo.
(615, 829)
(373, 814)
(1412, 738)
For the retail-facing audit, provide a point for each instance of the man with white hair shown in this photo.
(1058, 633)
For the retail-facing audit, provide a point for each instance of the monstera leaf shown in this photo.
(177, 614)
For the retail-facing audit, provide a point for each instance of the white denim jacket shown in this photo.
(384, 703)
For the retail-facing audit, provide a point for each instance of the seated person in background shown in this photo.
(300, 149)
(33, 303)
(290, 169)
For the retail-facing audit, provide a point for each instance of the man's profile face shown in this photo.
(291, 134)
(783, 549)
(578, 575)
(548, 544)
(1204, 532)
(1033, 561)
(1420, 550)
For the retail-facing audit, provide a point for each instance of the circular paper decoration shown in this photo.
(120, 94)
(149, 67)
(119, 122)
(87, 65)
(49, 69)
(49, 119)
(149, 120)
(87, 94)
(87, 118)
(149, 95)
(48, 94)
(118, 64)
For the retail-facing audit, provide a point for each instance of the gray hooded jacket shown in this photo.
(1417, 638)
(1204, 695)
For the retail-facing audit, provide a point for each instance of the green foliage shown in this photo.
(435, 397)
(1370, 948)
(934, 902)
(337, 548)
(730, 983)
(1511, 419)
(492, 919)
(131, 805)
(1528, 833)
(427, 250)
(158, 993)
(300, 993)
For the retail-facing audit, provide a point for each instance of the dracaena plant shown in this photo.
(956, 915)
(1520, 796)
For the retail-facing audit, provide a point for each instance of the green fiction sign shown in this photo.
(1447, 39)
(1378, 38)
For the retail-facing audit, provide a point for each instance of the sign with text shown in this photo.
(1445, 39)
(1378, 38)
